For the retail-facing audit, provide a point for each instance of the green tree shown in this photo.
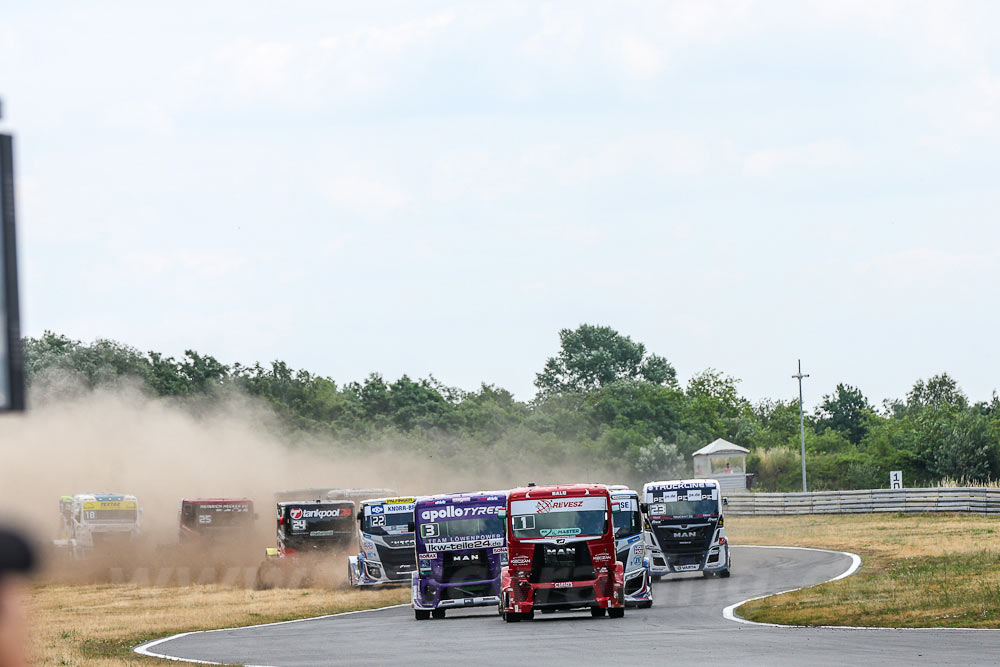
(591, 357)
(847, 411)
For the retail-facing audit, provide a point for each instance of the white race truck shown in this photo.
(686, 525)
(97, 521)
(631, 547)
(387, 546)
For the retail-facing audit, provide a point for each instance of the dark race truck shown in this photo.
(385, 534)
(460, 547)
(306, 529)
(215, 518)
(686, 526)
(561, 552)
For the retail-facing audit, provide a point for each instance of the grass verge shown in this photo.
(97, 625)
(918, 570)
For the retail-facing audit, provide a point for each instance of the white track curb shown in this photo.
(729, 613)
(143, 649)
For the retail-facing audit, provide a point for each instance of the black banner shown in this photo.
(11, 358)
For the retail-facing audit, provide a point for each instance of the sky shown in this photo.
(440, 187)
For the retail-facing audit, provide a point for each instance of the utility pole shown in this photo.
(802, 424)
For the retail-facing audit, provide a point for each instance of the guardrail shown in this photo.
(961, 499)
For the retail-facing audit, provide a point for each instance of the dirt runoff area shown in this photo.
(918, 570)
(98, 624)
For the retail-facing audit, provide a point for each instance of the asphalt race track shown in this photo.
(684, 626)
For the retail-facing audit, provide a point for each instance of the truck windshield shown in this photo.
(627, 522)
(210, 518)
(99, 515)
(387, 523)
(491, 525)
(560, 524)
(684, 502)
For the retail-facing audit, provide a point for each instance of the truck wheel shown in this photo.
(438, 613)
(512, 617)
(421, 614)
(724, 574)
(597, 612)
(616, 612)
(529, 616)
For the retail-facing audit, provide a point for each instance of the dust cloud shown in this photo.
(122, 440)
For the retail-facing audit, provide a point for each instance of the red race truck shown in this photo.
(561, 553)
(216, 518)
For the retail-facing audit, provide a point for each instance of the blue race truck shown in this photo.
(460, 548)
(630, 547)
(385, 535)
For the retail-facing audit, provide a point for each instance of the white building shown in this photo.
(723, 461)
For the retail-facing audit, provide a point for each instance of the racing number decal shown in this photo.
(430, 530)
(524, 522)
(378, 520)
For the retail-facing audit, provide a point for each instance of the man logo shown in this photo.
(690, 533)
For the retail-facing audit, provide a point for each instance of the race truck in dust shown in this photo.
(630, 546)
(460, 547)
(215, 518)
(561, 553)
(97, 521)
(385, 535)
(307, 530)
(686, 526)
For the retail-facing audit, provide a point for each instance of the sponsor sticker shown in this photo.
(548, 505)
(500, 550)
(398, 501)
(109, 505)
(600, 558)
(295, 512)
(686, 568)
(452, 512)
(428, 556)
(564, 584)
(465, 544)
(560, 532)
(520, 560)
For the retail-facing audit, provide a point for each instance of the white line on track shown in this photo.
(729, 613)
(143, 649)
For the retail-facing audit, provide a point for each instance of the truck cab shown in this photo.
(630, 547)
(316, 526)
(561, 552)
(460, 548)
(213, 518)
(686, 526)
(385, 535)
(98, 521)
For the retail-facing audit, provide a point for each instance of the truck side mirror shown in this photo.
(502, 512)
(644, 507)
(725, 501)
(411, 527)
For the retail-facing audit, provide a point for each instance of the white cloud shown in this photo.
(640, 58)
(368, 196)
(931, 267)
(829, 153)
(183, 264)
